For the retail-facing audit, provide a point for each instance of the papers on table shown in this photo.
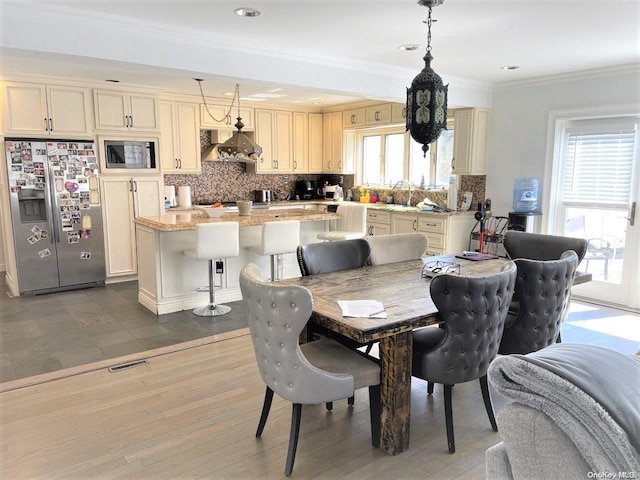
(362, 308)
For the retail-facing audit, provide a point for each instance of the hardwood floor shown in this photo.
(193, 414)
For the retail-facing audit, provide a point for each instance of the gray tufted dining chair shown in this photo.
(542, 294)
(473, 310)
(538, 246)
(327, 257)
(312, 373)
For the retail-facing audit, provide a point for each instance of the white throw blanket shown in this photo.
(592, 393)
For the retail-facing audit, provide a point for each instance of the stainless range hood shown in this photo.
(237, 140)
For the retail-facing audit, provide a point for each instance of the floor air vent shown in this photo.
(117, 368)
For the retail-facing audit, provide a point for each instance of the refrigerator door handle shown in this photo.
(53, 207)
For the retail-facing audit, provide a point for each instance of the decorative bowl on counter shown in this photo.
(211, 212)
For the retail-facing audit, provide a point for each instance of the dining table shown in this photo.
(404, 292)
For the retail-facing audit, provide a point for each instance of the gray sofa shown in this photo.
(575, 415)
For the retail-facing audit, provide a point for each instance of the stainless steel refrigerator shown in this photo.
(55, 212)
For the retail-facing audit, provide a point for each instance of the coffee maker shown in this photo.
(305, 190)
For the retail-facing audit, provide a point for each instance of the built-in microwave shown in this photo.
(130, 154)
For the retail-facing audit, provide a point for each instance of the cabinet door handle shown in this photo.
(415, 225)
(51, 124)
(295, 164)
(46, 124)
(431, 224)
(179, 163)
(131, 185)
(135, 186)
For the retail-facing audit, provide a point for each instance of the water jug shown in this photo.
(525, 195)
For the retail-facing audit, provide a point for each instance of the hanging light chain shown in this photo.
(236, 95)
(429, 31)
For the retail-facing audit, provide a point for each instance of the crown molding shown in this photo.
(624, 69)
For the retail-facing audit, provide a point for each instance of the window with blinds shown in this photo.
(598, 163)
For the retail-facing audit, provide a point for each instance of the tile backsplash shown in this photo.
(228, 181)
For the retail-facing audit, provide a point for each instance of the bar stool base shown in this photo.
(212, 310)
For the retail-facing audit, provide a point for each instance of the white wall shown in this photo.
(520, 117)
(3, 263)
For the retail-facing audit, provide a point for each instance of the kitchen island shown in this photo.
(167, 278)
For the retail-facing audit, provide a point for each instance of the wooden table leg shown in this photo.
(395, 360)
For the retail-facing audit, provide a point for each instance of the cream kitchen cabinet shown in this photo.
(378, 115)
(404, 222)
(274, 130)
(446, 233)
(180, 137)
(315, 143)
(398, 113)
(225, 117)
(123, 199)
(300, 163)
(128, 111)
(353, 118)
(470, 143)
(332, 143)
(378, 222)
(36, 109)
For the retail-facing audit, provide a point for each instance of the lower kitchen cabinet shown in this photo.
(378, 222)
(404, 222)
(446, 233)
(123, 199)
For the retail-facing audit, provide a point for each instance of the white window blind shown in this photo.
(598, 165)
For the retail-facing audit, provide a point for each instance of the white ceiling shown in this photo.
(472, 39)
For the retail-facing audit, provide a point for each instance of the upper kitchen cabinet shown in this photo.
(180, 137)
(315, 143)
(274, 131)
(300, 142)
(35, 109)
(332, 143)
(470, 144)
(398, 113)
(116, 110)
(353, 118)
(378, 115)
(224, 117)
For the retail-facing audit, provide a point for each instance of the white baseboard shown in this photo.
(186, 302)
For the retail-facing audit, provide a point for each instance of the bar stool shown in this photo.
(278, 238)
(352, 223)
(214, 241)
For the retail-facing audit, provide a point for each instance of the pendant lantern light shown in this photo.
(427, 97)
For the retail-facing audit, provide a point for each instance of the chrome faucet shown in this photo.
(407, 183)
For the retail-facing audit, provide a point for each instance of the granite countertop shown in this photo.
(173, 222)
(389, 207)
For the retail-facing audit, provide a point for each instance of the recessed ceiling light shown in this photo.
(510, 67)
(408, 48)
(247, 12)
(229, 94)
(317, 103)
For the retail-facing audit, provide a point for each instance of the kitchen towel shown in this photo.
(184, 196)
(170, 194)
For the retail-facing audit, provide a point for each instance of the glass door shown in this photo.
(595, 193)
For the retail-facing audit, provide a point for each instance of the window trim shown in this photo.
(558, 120)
